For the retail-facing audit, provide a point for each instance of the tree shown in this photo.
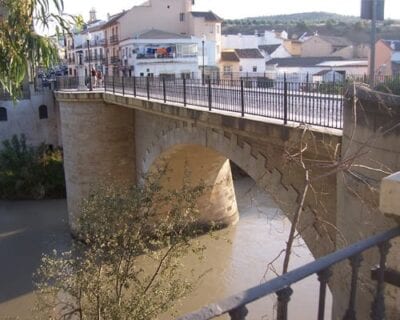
(102, 276)
(21, 47)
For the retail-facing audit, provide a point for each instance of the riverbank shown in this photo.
(237, 260)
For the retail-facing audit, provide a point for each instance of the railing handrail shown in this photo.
(257, 292)
(304, 103)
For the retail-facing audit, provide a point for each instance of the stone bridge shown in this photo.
(113, 138)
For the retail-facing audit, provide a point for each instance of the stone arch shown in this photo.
(254, 163)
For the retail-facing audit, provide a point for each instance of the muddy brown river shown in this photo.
(30, 228)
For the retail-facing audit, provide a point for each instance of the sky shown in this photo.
(233, 9)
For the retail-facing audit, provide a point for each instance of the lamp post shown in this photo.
(88, 38)
(203, 40)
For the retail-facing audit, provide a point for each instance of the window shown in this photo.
(254, 69)
(217, 28)
(241, 68)
(227, 70)
(3, 114)
(43, 112)
(182, 17)
(193, 2)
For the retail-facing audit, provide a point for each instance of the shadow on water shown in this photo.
(27, 230)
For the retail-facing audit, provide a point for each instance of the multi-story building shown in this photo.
(160, 53)
(90, 38)
(200, 31)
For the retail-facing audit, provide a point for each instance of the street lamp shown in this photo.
(203, 40)
(88, 38)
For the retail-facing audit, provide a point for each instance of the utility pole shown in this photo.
(373, 40)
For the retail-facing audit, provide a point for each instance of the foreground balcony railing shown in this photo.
(235, 305)
(305, 103)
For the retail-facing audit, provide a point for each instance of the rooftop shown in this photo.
(337, 41)
(249, 54)
(207, 15)
(394, 44)
(301, 61)
(229, 56)
(270, 48)
(156, 34)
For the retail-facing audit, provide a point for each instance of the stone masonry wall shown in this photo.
(98, 148)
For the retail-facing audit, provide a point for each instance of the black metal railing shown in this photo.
(113, 39)
(114, 59)
(308, 103)
(235, 305)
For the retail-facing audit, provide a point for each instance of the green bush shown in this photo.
(28, 172)
(391, 85)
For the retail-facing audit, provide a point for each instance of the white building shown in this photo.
(158, 53)
(251, 61)
(273, 51)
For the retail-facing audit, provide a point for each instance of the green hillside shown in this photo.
(324, 23)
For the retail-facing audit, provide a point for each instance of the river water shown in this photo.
(237, 260)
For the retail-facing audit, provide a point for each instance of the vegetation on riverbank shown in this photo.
(28, 172)
(121, 230)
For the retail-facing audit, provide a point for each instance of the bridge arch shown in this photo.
(225, 146)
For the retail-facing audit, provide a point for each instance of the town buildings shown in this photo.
(191, 40)
(387, 58)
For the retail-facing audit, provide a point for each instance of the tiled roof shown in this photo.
(114, 18)
(301, 61)
(207, 15)
(159, 34)
(394, 44)
(270, 48)
(249, 54)
(337, 41)
(229, 56)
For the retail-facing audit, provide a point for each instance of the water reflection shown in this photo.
(244, 260)
(237, 260)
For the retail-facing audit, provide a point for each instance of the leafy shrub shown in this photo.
(129, 262)
(28, 172)
(391, 86)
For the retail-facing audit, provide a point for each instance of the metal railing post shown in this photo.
(134, 86)
(285, 99)
(113, 83)
(105, 83)
(148, 87)
(242, 95)
(184, 91)
(123, 85)
(283, 302)
(209, 95)
(164, 90)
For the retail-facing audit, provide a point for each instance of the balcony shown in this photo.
(99, 59)
(170, 57)
(115, 59)
(113, 39)
(95, 43)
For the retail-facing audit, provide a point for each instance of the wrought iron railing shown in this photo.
(235, 305)
(307, 103)
(113, 39)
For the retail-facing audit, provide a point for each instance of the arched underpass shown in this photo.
(243, 255)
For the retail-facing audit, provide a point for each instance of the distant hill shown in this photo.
(309, 17)
(329, 24)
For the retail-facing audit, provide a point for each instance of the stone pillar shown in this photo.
(98, 141)
(202, 165)
(371, 139)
